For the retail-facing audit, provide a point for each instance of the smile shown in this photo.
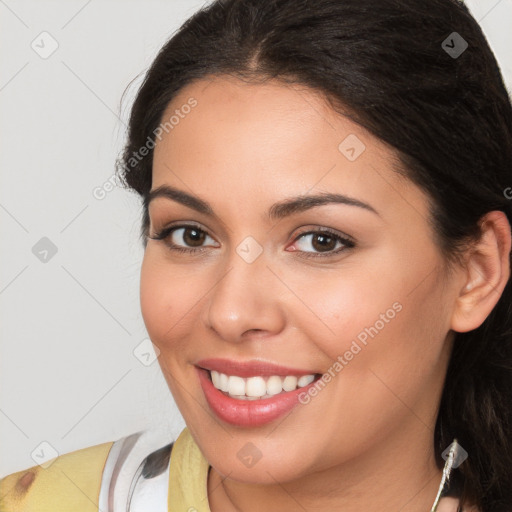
(254, 393)
(259, 387)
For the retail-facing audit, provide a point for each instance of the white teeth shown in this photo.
(254, 388)
(223, 382)
(236, 385)
(274, 385)
(290, 383)
(215, 379)
(305, 380)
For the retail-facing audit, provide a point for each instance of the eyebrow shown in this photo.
(277, 211)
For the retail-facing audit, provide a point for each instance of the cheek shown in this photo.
(384, 356)
(340, 308)
(374, 320)
(167, 298)
(151, 289)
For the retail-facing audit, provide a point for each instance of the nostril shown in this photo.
(252, 330)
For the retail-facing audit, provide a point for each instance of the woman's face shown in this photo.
(276, 285)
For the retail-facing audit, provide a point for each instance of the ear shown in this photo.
(487, 273)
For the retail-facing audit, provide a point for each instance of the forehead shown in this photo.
(272, 138)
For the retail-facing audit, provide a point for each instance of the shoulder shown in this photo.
(130, 473)
(71, 480)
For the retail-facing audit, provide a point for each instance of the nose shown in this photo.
(245, 300)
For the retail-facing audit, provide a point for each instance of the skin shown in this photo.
(241, 149)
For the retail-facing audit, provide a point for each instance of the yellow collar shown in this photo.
(188, 476)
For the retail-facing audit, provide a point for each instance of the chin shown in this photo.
(263, 472)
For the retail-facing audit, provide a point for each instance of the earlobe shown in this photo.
(487, 273)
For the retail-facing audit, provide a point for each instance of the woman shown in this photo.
(326, 274)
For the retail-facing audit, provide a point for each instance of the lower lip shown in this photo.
(248, 413)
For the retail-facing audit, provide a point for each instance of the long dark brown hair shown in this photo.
(419, 75)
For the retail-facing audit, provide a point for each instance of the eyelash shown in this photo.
(348, 243)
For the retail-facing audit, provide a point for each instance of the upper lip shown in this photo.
(251, 368)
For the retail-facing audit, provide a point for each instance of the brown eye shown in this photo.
(185, 238)
(322, 243)
(192, 237)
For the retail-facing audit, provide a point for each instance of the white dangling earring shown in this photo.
(446, 472)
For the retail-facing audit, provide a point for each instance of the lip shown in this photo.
(248, 413)
(251, 368)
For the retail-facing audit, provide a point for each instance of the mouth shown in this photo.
(253, 393)
(258, 387)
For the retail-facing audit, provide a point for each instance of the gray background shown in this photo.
(70, 321)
